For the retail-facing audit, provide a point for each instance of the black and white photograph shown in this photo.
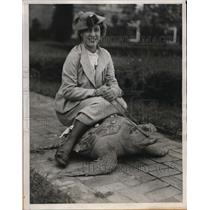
(104, 89)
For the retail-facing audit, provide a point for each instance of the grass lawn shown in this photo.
(43, 192)
(133, 73)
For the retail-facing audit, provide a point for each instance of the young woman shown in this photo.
(88, 84)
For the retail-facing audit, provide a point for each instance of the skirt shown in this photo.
(92, 110)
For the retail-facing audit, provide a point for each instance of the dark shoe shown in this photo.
(63, 152)
(61, 157)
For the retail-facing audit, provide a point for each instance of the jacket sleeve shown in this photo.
(111, 79)
(70, 89)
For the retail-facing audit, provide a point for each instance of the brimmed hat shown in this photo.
(85, 20)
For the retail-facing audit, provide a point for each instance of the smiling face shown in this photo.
(91, 37)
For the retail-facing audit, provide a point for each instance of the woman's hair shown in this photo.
(103, 28)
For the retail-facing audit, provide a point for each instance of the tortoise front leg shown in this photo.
(103, 165)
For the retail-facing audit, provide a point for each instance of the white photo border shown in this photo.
(26, 117)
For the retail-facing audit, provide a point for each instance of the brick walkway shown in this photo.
(137, 179)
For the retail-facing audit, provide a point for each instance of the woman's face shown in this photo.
(91, 37)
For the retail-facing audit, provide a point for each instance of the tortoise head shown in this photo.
(139, 140)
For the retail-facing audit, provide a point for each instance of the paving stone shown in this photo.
(178, 150)
(115, 186)
(172, 145)
(179, 197)
(62, 183)
(96, 200)
(147, 161)
(166, 158)
(120, 176)
(167, 141)
(162, 194)
(153, 167)
(131, 182)
(175, 164)
(179, 176)
(40, 166)
(135, 197)
(138, 159)
(93, 199)
(170, 200)
(147, 168)
(117, 198)
(178, 162)
(103, 190)
(172, 180)
(149, 186)
(99, 181)
(175, 154)
(139, 175)
(136, 164)
(164, 172)
(178, 145)
(110, 189)
(41, 133)
(78, 191)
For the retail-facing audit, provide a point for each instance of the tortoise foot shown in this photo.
(156, 150)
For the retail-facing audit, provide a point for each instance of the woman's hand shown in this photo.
(109, 95)
(106, 92)
(101, 90)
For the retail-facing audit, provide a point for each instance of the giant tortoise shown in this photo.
(116, 136)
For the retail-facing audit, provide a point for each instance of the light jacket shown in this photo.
(79, 79)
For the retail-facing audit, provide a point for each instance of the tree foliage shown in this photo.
(62, 22)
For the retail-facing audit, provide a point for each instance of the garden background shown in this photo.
(148, 66)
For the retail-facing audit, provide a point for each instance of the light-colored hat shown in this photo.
(85, 20)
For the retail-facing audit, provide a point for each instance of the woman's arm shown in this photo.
(70, 89)
(111, 80)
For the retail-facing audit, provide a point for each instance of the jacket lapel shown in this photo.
(100, 68)
(87, 67)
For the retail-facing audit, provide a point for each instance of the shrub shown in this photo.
(164, 86)
(47, 61)
(42, 191)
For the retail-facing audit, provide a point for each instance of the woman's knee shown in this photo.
(65, 120)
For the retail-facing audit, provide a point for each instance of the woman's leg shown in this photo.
(89, 112)
(92, 109)
(98, 110)
(63, 152)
